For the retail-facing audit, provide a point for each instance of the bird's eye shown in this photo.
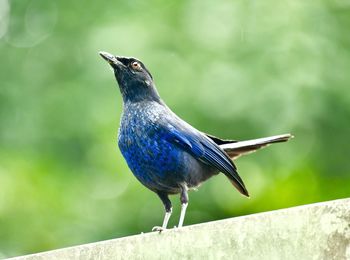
(136, 65)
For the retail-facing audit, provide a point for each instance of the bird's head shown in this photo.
(135, 81)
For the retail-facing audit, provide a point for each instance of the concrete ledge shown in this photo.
(316, 231)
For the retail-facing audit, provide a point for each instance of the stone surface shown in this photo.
(316, 231)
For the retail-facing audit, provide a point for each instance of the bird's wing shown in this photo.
(234, 149)
(207, 151)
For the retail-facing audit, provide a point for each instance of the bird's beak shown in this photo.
(111, 59)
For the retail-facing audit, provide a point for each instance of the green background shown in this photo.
(235, 69)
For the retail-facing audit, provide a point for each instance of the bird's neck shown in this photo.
(139, 92)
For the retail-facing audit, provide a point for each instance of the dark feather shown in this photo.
(209, 152)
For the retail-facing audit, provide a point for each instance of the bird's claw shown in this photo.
(158, 229)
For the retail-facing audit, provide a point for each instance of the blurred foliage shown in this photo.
(235, 69)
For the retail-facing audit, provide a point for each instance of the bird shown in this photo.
(165, 153)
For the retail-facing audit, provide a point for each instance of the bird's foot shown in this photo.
(158, 229)
(176, 228)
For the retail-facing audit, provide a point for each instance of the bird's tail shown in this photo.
(234, 149)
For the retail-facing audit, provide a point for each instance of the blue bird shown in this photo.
(166, 154)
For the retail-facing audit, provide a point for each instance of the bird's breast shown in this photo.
(151, 158)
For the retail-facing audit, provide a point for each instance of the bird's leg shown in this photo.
(184, 203)
(168, 209)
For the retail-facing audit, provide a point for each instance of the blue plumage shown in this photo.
(165, 153)
(160, 150)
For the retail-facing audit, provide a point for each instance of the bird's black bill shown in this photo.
(111, 59)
